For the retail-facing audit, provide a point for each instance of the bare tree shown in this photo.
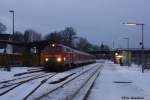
(104, 47)
(68, 36)
(83, 45)
(18, 37)
(31, 35)
(3, 28)
(54, 37)
(95, 47)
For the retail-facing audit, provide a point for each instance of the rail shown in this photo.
(68, 81)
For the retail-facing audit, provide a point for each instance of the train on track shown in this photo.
(60, 57)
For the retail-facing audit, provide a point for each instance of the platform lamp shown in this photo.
(142, 41)
(13, 12)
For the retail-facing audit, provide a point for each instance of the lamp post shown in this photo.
(13, 12)
(113, 51)
(142, 41)
(127, 50)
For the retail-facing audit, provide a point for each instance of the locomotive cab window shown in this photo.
(53, 49)
(48, 49)
(58, 49)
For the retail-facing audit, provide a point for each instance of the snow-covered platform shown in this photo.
(121, 83)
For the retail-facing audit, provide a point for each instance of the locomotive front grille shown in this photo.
(53, 59)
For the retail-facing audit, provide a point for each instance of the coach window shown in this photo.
(68, 50)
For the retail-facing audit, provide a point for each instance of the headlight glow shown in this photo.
(59, 59)
(46, 59)
(64, 58)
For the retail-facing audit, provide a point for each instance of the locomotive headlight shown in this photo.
(59, 59)
(64, 58)
(46, 59)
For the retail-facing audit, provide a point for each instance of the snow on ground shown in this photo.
(20, 92)
(142, 80)
(5, 75)
(47, 87)
(105, 87)
(68, 90)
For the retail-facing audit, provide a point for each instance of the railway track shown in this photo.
(22, 80)
(83, 92)
(34, 69)
(52, 80)
(9, 85)
(42, 82)
(50, 95)
(19, 78)
(14, 83)
(28, 72)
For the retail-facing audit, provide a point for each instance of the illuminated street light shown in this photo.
(133, 24)
(142, 42)
(116, 54)
(129, 24)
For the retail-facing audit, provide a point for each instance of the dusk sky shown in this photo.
(97, 20)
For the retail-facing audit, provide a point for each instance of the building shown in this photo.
(136, 55)
(124, 56)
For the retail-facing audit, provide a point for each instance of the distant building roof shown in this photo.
(4, 37)
(132, 49)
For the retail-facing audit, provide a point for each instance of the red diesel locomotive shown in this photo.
(61, 57)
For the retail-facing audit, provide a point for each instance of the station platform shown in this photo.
(121, 83)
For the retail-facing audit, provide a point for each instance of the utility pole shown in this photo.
(142, 47)
(12, 11)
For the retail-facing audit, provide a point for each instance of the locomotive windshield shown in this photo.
(58, 49)
(47, 49)
(52, 49)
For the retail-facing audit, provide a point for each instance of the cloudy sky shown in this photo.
(97, 20)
